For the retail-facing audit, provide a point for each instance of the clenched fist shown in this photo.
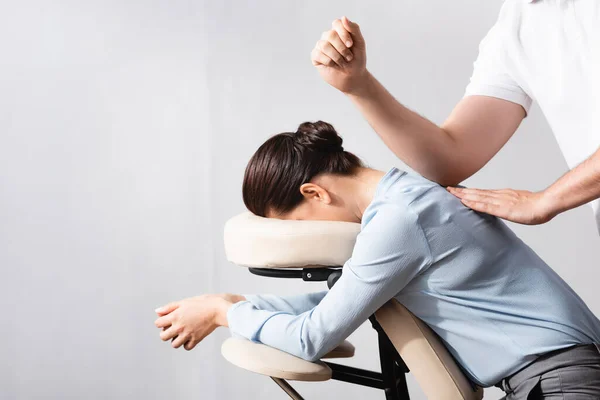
(340, 56)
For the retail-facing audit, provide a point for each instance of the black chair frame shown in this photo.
(391, 379)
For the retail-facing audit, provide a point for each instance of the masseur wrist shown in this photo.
(364, 85)
(550, 204)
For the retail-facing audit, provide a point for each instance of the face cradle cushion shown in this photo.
(254, 241)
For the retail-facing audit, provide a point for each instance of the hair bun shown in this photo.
(319, 136)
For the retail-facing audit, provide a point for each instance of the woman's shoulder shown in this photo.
(403, 187)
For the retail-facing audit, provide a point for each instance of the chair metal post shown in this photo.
(283, 384)
(393, 368)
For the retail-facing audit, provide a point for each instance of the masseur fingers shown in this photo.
(344, 35)
(484, 192)
(336, 41)
(485, 207)
(480, 195)
(327, 48)
(318, 58)
(352, 27)
(482, 199)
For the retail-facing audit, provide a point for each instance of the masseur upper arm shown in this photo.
(474, 132)
(492, 109)
(479, 126)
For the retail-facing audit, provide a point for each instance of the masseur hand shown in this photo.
(520, 206)
(190, 320)
(340, 56)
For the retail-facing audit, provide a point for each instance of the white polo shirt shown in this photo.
(548, 51)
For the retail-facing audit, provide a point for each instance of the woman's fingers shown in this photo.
(180, 340)
(190, 344)
(169, 333)
(167, 308)
(162, 322)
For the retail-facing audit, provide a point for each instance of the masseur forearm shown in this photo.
(578, 186)
(418, 142)
(475, 130)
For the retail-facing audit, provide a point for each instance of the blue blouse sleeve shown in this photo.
(389, 252)
(295, 305)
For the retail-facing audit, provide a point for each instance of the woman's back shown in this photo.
(515, 305)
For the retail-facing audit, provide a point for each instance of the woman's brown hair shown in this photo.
(287, 160)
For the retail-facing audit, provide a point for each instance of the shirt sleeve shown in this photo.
(389, 252)
(491, 72)
(290, 304)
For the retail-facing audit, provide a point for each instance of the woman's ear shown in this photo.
(312, 192)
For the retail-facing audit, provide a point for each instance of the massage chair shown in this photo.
(316, 251)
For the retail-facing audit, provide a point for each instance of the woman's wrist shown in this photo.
(223, 303)
(232, 297)
(221, 307)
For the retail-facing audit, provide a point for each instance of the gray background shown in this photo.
(125, 128)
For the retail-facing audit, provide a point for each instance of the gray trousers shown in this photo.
(570, 374)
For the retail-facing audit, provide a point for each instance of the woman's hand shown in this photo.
(190, 320)
(340, 56)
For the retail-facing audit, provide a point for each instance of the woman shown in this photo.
(497, 306)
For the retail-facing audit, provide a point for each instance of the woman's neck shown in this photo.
(353, 193)
(360, 189)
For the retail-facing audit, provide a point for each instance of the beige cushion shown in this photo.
(268, 361)
(253, 241)
(343, 350)
(428, 360)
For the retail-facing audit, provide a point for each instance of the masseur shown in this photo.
(496, 305)
(547, 50)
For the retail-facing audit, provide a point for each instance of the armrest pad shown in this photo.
(268, 361)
